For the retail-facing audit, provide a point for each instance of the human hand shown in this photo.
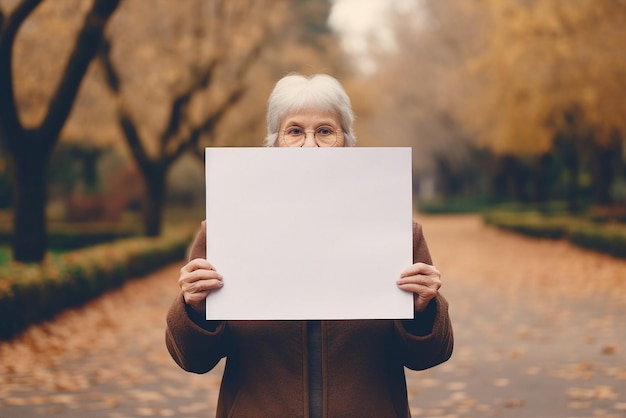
(423, 280)
(197, 279)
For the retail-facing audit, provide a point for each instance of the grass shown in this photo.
(453, 205)
(5, 255)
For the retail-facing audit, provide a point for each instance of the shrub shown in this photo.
(529, 223)
(70, 236)
(452, 206)
(601, 237)
(609, 239)
(30, 293)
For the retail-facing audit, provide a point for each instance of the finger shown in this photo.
(197, 263)
(421, 280)
(198, 278)
(420, 289)
(202, 286)
(199, 274)
(422, 294)
(419, 268)
(196, 300)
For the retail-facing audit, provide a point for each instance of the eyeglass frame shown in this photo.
(337, 132)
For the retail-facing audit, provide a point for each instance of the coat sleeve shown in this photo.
(427, 340)
(195, 344)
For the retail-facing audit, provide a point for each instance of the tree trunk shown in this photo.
(602, 174)
(29, 226)
(517, 177)
(155, 201)
(30, 149)
(569, 150)
(541, 178)
(572, 190)
(497, 179)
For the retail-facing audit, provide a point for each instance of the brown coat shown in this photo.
(266, 361)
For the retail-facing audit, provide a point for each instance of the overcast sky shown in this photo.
(359, 22)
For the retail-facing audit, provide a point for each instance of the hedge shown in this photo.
(529, 223)
(30, 293)
(68, 236)
(451, 206)
(607, 238)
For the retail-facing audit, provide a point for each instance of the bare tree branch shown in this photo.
(180, 103)
(1, 20)
(125, 120)
(235, 95)
(207, 125)
(30, 149)
(132, 137)
(177, 114)
(111, 76)
(179, 134)
(9, 119)
(87, 44)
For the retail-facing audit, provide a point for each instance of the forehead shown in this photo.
(311, 117)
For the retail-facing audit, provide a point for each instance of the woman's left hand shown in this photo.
(423, 280)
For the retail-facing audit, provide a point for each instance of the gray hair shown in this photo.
(295, 93)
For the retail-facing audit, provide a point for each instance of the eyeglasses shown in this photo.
(325, 136)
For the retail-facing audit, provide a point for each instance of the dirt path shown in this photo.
(539, 330)
(539, 327)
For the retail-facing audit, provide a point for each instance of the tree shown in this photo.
(172, 143)
(552, 71)
(29, 148)
(509, 76)
(238, 33)
(218, 52)
(415, 91)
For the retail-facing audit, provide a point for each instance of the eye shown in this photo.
(324, 131)
(294, 131)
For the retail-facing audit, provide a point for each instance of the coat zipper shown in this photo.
(314, 350)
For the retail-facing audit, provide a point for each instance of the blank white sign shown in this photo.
(309, 233)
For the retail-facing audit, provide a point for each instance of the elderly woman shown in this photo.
(310, 368)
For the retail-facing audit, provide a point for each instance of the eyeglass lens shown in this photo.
(324, 136)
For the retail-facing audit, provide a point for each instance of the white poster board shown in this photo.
(309, 233)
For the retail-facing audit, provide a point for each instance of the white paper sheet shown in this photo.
(309, 233)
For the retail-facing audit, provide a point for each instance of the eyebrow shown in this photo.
(322, 122)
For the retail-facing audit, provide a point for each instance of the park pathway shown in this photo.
(539, 328)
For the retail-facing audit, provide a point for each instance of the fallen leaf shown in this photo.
(514, 403)
(579, 405)
(456, 386)
(14, 401)
(609, 349)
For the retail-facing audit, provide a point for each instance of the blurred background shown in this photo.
(501, 101)
(515, 111)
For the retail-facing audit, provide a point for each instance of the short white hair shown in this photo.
(295, 93)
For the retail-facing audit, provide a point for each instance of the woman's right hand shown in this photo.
(197, 279)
